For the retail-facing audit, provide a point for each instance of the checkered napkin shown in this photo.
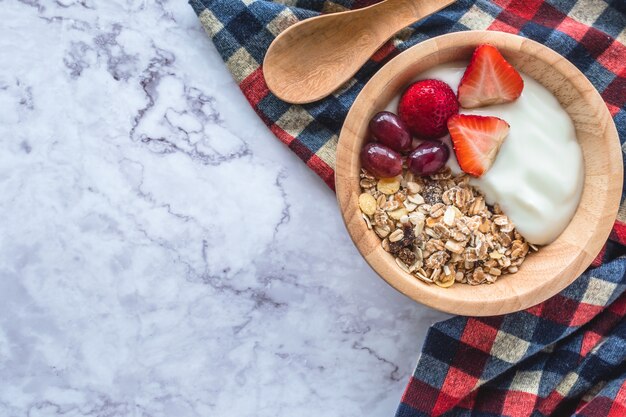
(566, 356)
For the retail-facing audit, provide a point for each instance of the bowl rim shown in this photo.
(441, 299)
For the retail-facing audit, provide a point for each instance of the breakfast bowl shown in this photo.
(557, 264)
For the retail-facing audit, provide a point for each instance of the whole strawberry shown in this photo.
(426, 106)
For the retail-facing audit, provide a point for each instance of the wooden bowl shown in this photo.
(554, 266)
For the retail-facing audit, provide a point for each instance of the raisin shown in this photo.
(406, 242)
(407, 256)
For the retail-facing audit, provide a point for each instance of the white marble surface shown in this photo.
(161, 254)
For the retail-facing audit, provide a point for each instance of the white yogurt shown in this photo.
(537, 177)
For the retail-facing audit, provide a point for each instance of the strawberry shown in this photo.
(476, 141)
(489, 79)
(426, 106)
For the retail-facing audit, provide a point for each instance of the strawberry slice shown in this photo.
(476, 141)
(489, 79)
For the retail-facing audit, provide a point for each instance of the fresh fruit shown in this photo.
(426, 106)
(489, 79)
(477, 140)
(381, 161)
(389, 130)
(428, 158)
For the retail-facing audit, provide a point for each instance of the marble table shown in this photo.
(162, 254)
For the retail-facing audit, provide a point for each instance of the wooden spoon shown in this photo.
(311, 59)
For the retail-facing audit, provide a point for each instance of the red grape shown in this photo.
(389, 130)
(428, 158)
(381, 161)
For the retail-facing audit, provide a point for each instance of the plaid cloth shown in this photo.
(566, 356)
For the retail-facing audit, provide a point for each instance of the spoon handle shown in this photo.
(392, 15)
(401, 13)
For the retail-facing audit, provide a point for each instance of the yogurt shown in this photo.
(537, 177)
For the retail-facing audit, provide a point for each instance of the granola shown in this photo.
(440, 229)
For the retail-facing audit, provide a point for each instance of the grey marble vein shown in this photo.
(162, 254)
